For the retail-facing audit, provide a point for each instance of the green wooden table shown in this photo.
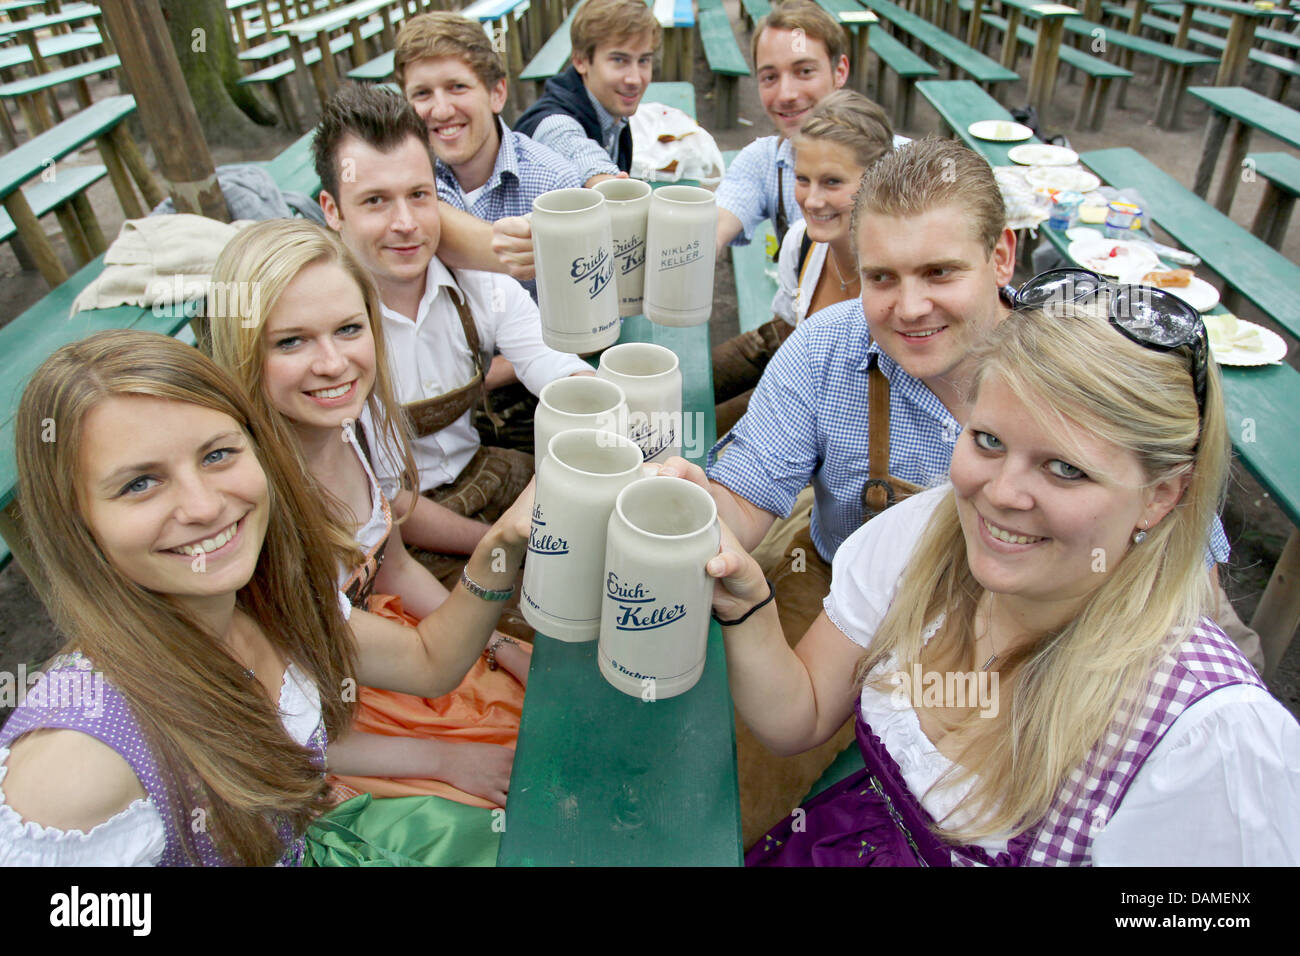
(962, 102)
(1235, 112)
(317, 29)
(1241, 34)
(602, 778)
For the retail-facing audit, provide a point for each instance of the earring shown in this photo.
(1140, 536)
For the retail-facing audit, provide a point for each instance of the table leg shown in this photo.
(357, 52)
(1241, 32)
(860, 51)
(1274, 215)
(1184, 25)
(7, 126)
(515, 58)
(974, 24)
(1086, 107)
(304, 79)
(328, 70)
(29, 227)
(1009, 43)
(89, 223)
(1047, 52)
(1238, 145)
(1278, 613)
(1099, 103)
(1214, 133)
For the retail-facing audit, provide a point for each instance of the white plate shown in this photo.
(999, 131)
(1200, 295)
(1274, 349)
(1041, 154)
(1095, 255)
(1062, 178)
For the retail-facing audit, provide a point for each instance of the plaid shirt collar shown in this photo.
(610, 126)
(507, 162)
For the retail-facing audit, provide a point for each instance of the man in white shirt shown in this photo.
(378, 192)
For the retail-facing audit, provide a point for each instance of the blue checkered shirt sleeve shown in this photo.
(748, 190)
(565, 135)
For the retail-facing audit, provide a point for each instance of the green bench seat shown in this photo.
(68, 74)
(753, 11)
(56, 46)
(553, 57)
(1098, 73)
(376, 70)
(47, 197)
(1281, 175)
(725, 60)
(979, 67)
(907, 66)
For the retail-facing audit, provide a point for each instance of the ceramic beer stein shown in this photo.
(680, 253)
(573, 252)
(628, 202)
(576, 486)
(579, 401)
(652, 381)
(654, 619)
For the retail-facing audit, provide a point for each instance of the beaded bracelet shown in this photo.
(481, 592)
(771, 594)
(490, 652)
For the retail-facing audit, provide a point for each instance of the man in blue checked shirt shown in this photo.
(935, 254)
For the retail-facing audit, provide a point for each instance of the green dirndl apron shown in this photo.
(404, 831)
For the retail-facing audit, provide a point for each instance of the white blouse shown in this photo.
(792, 297)
(135, 836)
(1221, 788)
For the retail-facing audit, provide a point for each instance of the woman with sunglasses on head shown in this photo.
(308, 349)
(208, 655)
(844, 134)
(1027, 650)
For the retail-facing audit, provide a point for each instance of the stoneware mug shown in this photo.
(652, 381)
(579, 401)
(654, 619)
(573, 253)
(577, 484)
(628, 202)
(680, 253)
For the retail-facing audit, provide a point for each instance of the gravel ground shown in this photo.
(1255, 525)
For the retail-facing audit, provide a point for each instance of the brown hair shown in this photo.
(928, 173)
(377, 116)
(850, 119)
(217, 736)
(611, 21)
(434, 36)
(809, 17)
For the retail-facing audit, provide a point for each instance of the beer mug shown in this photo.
(577, 483)
(573, 252)
(654, 619)
(628, 202)
(652, 381)
(579, 401)
(680, 253)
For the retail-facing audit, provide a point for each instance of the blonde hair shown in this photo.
(434, 36)
(1074, 692)
(929, 173)
(216, 734)
(850, 119)
(612, 21)
(809, 17)
(268, 256)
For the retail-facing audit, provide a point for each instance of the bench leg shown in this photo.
(29, 227)
(1126, 61)
(22, 254)
(724, 101)
(89, 223)
(1085, 103)
(1164, 103)
(906, 89)
(1099, 103)
(135, 163)
(1274, 215)
(1278, 613)
(120, 179)
(1215, 129)
(284, 102)
(7, 126)
(76, 239)
(1237, 146)
(1281, 86)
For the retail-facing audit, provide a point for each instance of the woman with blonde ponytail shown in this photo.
(208, 656)
(1028, 651)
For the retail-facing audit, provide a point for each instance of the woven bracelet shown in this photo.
(771, 594)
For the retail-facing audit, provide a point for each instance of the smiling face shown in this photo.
(173, 495)
(1039, 505)
(386, 211)
(826, 177)
(460, 113)
(319, 348)
(794, 73)
(618, 72)
(929, 289)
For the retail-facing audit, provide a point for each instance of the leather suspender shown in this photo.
(881, 489)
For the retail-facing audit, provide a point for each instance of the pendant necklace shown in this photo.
(988, 614)
(844, 286)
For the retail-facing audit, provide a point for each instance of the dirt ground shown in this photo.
(1255, 525)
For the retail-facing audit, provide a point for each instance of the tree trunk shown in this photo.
(205, 46)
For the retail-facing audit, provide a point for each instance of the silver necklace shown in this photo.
(844, 286)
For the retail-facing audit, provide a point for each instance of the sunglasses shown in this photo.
(1153, 318)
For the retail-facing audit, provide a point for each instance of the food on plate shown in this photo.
(1226, 331)
(1169, 278)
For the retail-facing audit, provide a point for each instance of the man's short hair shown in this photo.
(809, 17)
(928, 173)
(434, 36)
(611, 21)
(379, 117)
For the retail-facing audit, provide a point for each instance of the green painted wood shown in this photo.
(898, 57)
(277, 71)
(294, 170)
(43, 81)
(28, 160)
(754, 272)
(757, 9)
(1281, 169)
(554, 55)
(1161, 51)
(45, 197)
(962, 102)
(845, 765)
(376, 70)
(677, 94)
(1228, 6)
(980, 67)
(1091, 65)
(1030, 9)
(265, 51)
(720, 47)
(1261, 274)
(1268, 116)
(54, 46)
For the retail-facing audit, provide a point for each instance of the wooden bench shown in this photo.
(62, 47)
(960, 103)
(1235, 113)
(376, 70)
(751, 11)
(33, 107)
(63, 196)
(979, 67)
(1281, 174)
(553, 57)
(1098, 73)
(907, 68)
(725, 60)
